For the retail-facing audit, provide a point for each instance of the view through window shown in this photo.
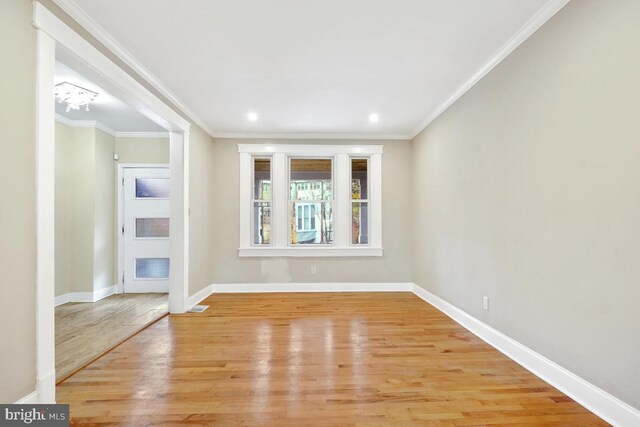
(311, 201)
(262, 201)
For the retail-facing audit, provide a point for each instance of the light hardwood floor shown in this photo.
(85, 330)
(313, 359)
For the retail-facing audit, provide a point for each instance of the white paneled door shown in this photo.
(146, 230)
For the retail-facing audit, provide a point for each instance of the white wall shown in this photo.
(18, 210)
(74, 208)
(104, 245)
(527, 191)
(394, 266)
(142, 150)
(64, 192)
(85, 180)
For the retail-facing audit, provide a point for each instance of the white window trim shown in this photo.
(342, 154)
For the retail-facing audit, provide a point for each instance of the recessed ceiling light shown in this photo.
(373, 118)
(252, 116)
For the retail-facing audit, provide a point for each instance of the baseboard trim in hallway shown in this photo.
(94, 296)
(603, 404)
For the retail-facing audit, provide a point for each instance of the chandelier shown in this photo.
(74, 96)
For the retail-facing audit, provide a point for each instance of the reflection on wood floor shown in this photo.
(85, 330)
(313, 360)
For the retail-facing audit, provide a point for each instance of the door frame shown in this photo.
(120, 208)
(52, 33)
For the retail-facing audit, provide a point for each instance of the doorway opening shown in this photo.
(112, 221)
(58, 42)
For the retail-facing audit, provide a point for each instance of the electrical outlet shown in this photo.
(485, 303)
(313, 270)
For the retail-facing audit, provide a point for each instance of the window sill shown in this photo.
(301, 252)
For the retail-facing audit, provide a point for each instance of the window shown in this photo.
(261, 201)
(310, 200)
(359, 201)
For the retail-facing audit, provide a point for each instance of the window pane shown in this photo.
(311, 223)
(152, 227)
(359, 223)
(310, 179)
(152, 268)
(153, 188)
(261, 223)
(359, 184)
(262, 179)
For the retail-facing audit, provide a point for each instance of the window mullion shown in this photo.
(279, 200)
(375, 200)
(342, 196)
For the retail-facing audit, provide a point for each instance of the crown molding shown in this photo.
(91, 26)
(86, 124)
(348, 136)
(142, 135)
(531, 26)
(107, 129)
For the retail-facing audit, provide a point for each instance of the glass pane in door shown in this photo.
(152, 268)
(152, 227)
(152, 188)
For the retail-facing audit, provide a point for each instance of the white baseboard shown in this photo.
(601, 403)
(46, 388)
(199, 296)
(310, 287)
(85, 296)
(29, 399)
(104, 292)
(296, 287)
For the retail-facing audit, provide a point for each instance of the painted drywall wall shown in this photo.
(142, 150)
(64, 192)
(18, 189)
(526, 190)
(74, 208)
(104, 205)
(203, 203)
(85, 177)
(394, 266)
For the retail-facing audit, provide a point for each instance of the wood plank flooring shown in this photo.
(348, 359)
(85, 330)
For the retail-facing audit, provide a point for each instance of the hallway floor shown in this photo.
(86, 330)
(313, 359)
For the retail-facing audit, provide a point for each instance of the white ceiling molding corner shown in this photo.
(538, 20)
(142, 135)
(86, 22)
(97, 125)
(85, 124)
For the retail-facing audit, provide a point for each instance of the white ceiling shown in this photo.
(311, 67)
(106, 109)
